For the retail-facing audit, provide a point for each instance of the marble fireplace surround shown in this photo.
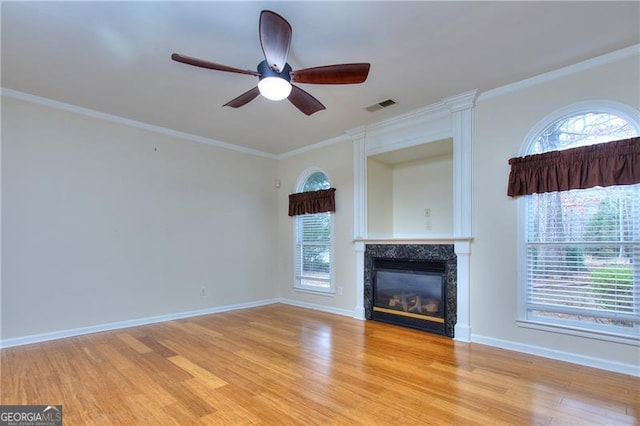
(435, 248)
(414, 252)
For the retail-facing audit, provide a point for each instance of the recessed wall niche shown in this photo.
(451, 119)
(410, 191)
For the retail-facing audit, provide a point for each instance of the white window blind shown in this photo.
(313, 241)
(583, 254)
(313, 251)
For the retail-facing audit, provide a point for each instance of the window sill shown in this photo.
(326, 293)
(581, 332)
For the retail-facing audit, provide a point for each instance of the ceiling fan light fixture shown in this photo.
(274, 88)
(275, 74)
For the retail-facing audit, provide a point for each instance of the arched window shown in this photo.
(313, 240)
(580, 248)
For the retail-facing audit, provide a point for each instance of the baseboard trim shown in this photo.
(316, 307)
(55, 335)
(618, 367)
(462, 333)
(603, 364)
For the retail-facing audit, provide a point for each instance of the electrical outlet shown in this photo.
(427, 212)
(428, 225)
(203, 291)
(339, 291)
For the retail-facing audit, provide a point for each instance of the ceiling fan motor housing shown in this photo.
(265, 71)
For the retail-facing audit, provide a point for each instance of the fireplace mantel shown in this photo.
(414, 240)
(453, 117)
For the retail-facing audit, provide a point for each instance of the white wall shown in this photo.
(502, 123)
(379, 198)
(98, 226)
(336, 161)
(419, 185)
(103, 223)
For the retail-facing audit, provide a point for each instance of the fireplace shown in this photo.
(410, 293)
(413, 285)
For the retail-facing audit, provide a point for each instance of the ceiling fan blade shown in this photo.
(243, 99)
(210, 65)
(275, 39)
(332, 74)
(304, 101)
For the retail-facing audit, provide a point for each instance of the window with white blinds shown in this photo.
(583, 254)
(582, 246)
(313, 242)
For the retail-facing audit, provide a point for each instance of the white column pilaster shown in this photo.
(461, 107)
(462, 330)
(359, 213)
(359, 308)
(359, 183)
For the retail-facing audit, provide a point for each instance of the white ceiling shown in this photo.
(114, 57)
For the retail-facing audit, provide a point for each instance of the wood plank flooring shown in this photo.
(282, 365)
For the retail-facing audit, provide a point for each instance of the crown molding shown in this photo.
(421, 125)
(426, 113)
(312, 147)
(461, 101)
(562, 72)
(10, 93)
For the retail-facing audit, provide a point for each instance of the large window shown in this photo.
(582, 246)
(313, 236)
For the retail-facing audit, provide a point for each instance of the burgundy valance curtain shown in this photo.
(320, 201)
(605, 164)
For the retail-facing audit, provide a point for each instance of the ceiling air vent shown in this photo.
(380, 105)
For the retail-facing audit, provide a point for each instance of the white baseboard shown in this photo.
(54, 335)
(603, 364)
(630, 369)
(337, 311)
(462, 333)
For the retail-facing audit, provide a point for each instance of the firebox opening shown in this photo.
(410, 293)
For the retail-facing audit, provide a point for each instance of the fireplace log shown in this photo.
(416, 305)
(432, 306)
(413, 303)
(408, 302)
(394, 300)
(398, 299)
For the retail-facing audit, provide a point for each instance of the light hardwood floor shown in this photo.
(284, 365)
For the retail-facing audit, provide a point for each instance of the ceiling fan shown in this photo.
(275, 74)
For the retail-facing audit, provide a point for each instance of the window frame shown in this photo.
(297, 285)
(623, 111)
